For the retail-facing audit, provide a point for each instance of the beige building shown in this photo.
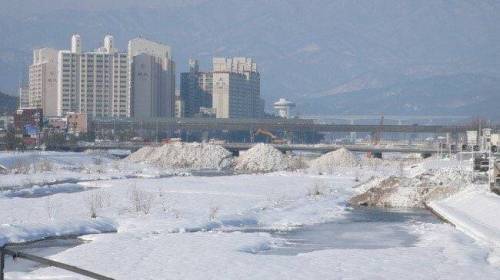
(236, 88)
(152, 79)
(43, 81)
(94, 83)
(77, 123)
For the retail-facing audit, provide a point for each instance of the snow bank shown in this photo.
(10, 233)
(184, 156)
(262, 158)
(397, 191)
(475, 212)
(341, 158)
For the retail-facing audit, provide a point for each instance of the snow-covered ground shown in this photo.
(196, 227)
(475, 212)
(36, 168)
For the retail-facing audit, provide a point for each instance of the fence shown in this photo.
(4, 252)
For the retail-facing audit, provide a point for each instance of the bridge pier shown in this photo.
(235, 152)
(377, 155)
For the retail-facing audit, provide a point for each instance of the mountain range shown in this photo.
(8, 104)
(321, 52)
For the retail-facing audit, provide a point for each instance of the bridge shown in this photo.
(285, 125)
(235, 148)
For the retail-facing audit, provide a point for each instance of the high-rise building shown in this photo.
(94, 83)
(42, 88)
(236, 88)
(196, 89)
(24, 97)
(151, 78)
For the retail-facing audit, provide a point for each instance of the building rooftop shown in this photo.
(284, 102)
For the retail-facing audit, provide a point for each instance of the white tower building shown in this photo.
(283, 108)
(94, 83)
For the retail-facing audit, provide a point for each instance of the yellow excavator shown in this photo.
(274, 139)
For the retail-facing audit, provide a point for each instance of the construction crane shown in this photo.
(274, 139)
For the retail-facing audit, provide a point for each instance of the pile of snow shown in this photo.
(184, 156)
(341, 158)
(262, 158)
(142, 154)
(15, 233)
(414, 191)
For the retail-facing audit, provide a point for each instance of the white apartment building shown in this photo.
(95, 83)
(42, 88)
(236, 88)
(151, 78)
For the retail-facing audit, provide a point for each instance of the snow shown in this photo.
(415, 191)
(262, 158)
(184, 156)
(475, 212)
(188, 227)
(15, 233)
(330, 162)
(28, 169)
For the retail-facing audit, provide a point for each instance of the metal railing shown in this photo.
(4, 252)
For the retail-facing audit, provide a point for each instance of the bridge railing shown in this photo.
(15, 254)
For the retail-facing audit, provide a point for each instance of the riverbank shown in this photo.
(474, 211)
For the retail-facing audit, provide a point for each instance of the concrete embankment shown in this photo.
(473, 211)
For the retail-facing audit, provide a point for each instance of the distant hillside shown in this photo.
(458, 95)
(303, 48)
(8, 103)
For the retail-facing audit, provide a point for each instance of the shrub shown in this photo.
(317, 189)
(142, 201)
(212, 213)
(96, 200)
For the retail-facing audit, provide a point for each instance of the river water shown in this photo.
(43, 248)
(361, 228)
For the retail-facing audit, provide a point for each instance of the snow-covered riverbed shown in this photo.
(194, 227)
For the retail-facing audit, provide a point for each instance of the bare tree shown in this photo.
(142, 201)
(96, 200)
(212, 213)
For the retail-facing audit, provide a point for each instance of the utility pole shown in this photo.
(2, 263)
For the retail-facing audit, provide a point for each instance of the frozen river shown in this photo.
(361, 228)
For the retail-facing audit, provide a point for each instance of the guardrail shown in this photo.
(4, 252)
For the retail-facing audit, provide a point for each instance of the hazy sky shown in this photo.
(302, 48)
(30, 7)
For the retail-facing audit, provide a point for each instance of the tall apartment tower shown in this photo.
(42, 87)
(151, 78)
(94, 83)
(196, 89)
(236, 88)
